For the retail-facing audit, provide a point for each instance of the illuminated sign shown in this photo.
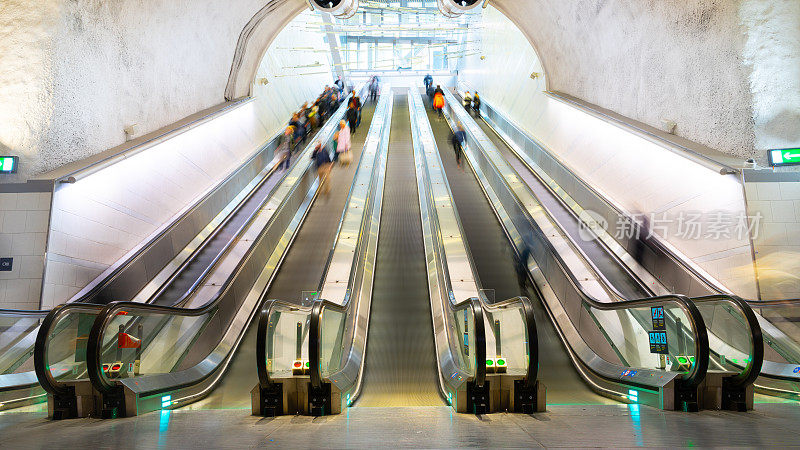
(658, 342)
(784, 157)
(657, 314)
(8, 164)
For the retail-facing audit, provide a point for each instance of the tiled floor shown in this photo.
(771, 424)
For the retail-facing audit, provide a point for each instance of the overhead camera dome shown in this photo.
(454, 8)
(342, 9)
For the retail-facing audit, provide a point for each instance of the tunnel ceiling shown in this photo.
(74, 74)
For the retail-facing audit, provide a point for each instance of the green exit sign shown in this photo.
(784, 157)
(8, 164)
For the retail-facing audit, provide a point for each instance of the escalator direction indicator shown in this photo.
(784, 157)
(657, 314)
(658, 342)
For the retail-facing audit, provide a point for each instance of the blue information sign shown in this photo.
(657, 314)
(658, 342)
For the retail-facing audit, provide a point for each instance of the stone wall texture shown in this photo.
(74, 74)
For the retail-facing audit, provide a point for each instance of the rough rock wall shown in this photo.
(649, 60)
(74, 74)
(26, 75)
(635, 173)
(772, 51)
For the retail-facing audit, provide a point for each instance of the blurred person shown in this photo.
(339, 83)
(298, 130)
(313, 115)
(429, 91)
(458, 139)
(322, 161)
(358, 105)
(467, 101)
(343, 140)
(284, 148)
(438, 103)
(373, 89)
(476, 104)
(521, 267)
(304, 121)
(438, 90)
(428, 80)
(644, 231)
(352, 118)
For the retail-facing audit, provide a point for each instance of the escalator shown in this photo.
(734, 334)
(672, 271)
(309, 357)
(300, 271)
(425, 347)
(164, 270)
(486, 349)
(605, 335)
(171, 339)
(494, 259)
(400, 367)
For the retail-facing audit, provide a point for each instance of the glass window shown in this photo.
(363, 55)
(351, 55)
(421, 59)
(384, 58)
(403, 55)
(438, 58)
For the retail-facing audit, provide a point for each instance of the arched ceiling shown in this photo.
(74, 74)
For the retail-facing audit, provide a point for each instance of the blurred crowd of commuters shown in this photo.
(311, 118)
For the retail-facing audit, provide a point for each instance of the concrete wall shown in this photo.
(714, 67)
(103, 216)
(772, 52)
(74, 74)
(637, 174)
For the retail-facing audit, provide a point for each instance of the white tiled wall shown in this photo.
(23, 235)
(777, 242)
(639, 175)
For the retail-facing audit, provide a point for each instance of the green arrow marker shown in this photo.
(784, 157)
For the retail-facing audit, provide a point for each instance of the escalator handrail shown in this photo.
(480, 339)
(225, 250)
(747, 376)
(94, 344)
(264, 380)
(40, 363)
(773, 303)
(750, 372)
(474, 303)
(526, 307)
(699, 369)
(23, 312)
(319, 305)
(116, 271)
(753, 368)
